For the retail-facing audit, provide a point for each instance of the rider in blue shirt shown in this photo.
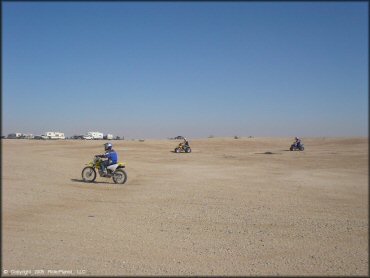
(297, 142)
(110, 154)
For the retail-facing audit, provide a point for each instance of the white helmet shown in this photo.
(108, 146)
(296, 138)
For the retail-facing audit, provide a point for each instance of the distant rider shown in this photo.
(186, 143)
(110, 154)
(297, 142)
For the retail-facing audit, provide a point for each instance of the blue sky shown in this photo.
(158, 70)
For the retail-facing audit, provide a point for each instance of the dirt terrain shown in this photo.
(231, 207)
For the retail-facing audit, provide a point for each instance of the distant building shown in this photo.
(54, 135)
(109, 136)
(15, 135)
(28, 136)
(95, 134)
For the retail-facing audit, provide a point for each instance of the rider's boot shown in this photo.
(104, 171)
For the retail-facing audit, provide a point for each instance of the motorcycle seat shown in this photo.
(112, 167)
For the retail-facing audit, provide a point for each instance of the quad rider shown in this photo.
(184, 144)
(297, 142)
(110, 154)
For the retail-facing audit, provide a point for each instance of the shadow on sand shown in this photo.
(267, 153)
(82, 181)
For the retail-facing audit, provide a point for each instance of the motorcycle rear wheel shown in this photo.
(88, 174)
(119, 176)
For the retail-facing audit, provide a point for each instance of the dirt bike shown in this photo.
(115, 171)
(183, 148)
(295, 147)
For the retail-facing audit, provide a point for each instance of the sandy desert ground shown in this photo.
(231, 207)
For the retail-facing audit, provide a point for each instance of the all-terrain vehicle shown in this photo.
(183, 147)
(297, 147)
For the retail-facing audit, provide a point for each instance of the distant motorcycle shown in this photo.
(297, 147)
(115, 171)
(183, 148)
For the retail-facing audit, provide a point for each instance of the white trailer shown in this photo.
(28, 136)
(109, 136)
(54, 135)
(16, 135)
(95, 134)
(87, 137)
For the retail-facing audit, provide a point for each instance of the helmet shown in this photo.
(296, 138)
(107, 146)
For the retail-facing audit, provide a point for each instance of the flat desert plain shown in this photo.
(243, 206)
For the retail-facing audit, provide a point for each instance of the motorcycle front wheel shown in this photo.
(120, 176)
(177, 150)
(88, 174)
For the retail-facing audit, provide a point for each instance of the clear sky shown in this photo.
(158, 70)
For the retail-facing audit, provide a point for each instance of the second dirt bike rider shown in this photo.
(110, 154)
